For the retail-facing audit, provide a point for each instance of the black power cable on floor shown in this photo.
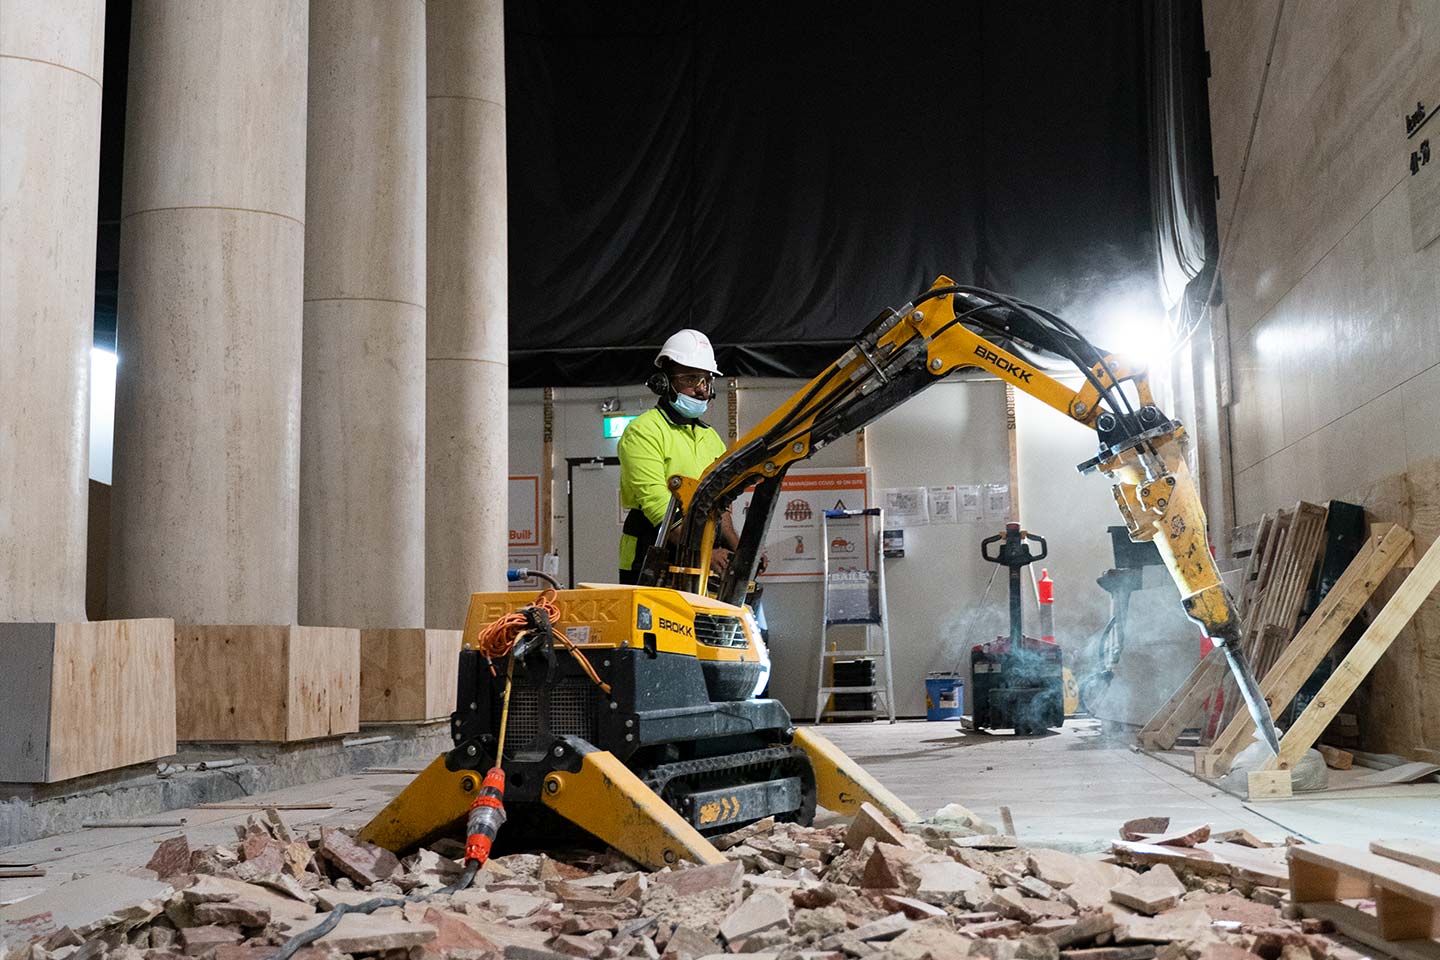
(307, 937)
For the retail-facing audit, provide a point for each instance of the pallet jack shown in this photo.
(1017, 681)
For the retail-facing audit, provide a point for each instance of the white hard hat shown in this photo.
(689, 348)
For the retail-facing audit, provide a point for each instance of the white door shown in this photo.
(595, 520)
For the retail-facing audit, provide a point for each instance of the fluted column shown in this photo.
(207, 426)
(362, 465)
(51, 55)
(467, 436)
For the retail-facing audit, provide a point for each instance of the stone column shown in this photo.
(362, 428)
(466, 390)
(207, 426)
(51, 54)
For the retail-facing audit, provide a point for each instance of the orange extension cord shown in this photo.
(497, 639)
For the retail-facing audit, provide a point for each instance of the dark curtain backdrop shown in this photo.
(776, 173)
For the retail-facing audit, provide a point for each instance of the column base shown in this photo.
(81, 698)
(408, 674)
(266, 683)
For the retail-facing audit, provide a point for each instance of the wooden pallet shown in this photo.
(1310, 646)
(1273, 778)
(1401, 877)
(1172, 718)
(1288, 567)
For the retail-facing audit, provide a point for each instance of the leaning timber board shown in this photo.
(267, 683)
(84, 697)
(1367, 651)
(1310, 646)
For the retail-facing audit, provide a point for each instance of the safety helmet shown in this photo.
(689, 348)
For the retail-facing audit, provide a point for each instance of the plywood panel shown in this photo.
(1400, 706)
(80, 698)
(324, 682)
(408, 674)
(230, 682)
(29, 651)
(268, 683)
(112, 695)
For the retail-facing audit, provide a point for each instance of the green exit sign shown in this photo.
(615, 424)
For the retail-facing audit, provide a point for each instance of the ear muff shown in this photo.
(659, 384)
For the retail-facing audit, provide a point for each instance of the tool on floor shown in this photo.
(1018, 682)
(652, 733)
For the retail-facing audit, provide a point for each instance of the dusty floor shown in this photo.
(1069, 790)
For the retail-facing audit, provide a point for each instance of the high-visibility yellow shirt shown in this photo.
(655, 446)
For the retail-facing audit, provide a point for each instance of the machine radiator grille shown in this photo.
(570, 705)
(717, 630)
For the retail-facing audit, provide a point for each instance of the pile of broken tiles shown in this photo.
(785, 892)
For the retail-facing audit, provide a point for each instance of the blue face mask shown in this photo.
(688, 406)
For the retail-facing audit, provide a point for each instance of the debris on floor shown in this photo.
(869, 889)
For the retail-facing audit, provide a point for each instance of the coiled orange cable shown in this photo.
(497, 639)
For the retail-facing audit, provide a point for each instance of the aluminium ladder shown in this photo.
(855, 597)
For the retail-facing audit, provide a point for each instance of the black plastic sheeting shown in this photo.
(777, 173)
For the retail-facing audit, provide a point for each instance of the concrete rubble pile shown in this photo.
(786, 892)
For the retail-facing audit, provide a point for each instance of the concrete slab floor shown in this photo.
(1072, 789)
(1069, 790)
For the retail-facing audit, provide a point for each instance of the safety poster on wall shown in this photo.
(794, 542)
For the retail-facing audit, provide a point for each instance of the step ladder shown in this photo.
(855, 597)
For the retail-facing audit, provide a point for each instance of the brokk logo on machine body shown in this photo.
(684, 629)
(1003, 364)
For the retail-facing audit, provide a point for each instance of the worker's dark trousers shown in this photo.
(637, 526)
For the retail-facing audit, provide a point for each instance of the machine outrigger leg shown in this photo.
(596, 792)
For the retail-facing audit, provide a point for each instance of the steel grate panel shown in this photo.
(570, 704)
(718, 630)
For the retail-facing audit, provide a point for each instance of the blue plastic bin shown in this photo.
(944, 697)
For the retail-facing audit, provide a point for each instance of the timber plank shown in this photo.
(1418, 853)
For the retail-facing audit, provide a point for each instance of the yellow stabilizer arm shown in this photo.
(606, 799)
(842, 785)
(433, 801)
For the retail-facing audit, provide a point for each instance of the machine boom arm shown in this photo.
(901, 352)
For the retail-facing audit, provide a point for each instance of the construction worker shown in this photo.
(669, 439)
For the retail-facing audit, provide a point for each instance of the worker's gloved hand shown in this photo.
(719, 560)
(764, 564)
